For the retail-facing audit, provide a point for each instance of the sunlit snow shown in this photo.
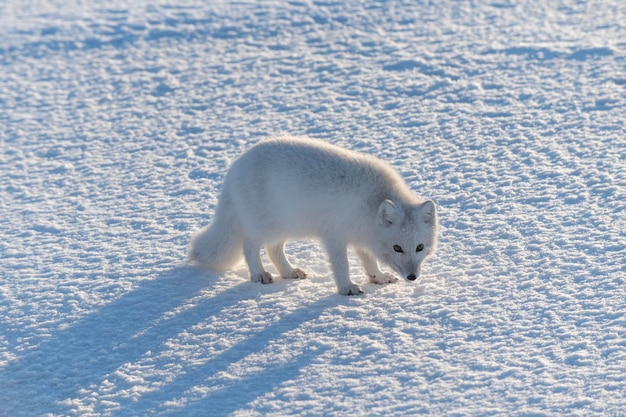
(119, 119)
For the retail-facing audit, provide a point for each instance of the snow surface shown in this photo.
(118, 121)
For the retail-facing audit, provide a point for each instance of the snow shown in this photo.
(119, 120)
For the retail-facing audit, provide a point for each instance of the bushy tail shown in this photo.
(219, 246)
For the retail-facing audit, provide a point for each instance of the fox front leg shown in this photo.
(375, 275)
(338, 256)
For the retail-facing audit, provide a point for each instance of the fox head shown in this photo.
(406, 235)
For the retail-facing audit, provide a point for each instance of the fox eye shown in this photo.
(420, 247)
(397, 249)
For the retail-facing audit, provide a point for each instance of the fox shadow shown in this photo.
(83, 354)
(231, 393)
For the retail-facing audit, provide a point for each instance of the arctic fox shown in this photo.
(290, 187)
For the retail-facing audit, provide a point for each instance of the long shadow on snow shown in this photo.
(82, 355)
(233, 394)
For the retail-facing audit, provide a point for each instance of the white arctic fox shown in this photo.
(289, 188)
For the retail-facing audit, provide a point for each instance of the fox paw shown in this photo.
(351, 289)
(383, 278)
(264, 278)
(297, 273)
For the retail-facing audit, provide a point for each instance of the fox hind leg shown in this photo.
(276, 254)
(252, 253)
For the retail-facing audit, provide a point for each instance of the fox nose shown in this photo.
(411, 277)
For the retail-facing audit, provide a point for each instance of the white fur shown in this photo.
(289, 188)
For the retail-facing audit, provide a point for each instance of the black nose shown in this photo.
(411, 277)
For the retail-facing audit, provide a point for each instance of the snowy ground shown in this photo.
(117, 123)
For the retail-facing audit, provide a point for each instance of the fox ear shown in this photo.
(428, 213)
(387, 213)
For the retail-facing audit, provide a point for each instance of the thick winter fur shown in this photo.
(289, 188)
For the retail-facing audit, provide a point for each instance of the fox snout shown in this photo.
(414, 272)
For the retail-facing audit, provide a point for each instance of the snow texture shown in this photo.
(119, 119)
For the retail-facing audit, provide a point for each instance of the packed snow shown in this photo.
(118, 121)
